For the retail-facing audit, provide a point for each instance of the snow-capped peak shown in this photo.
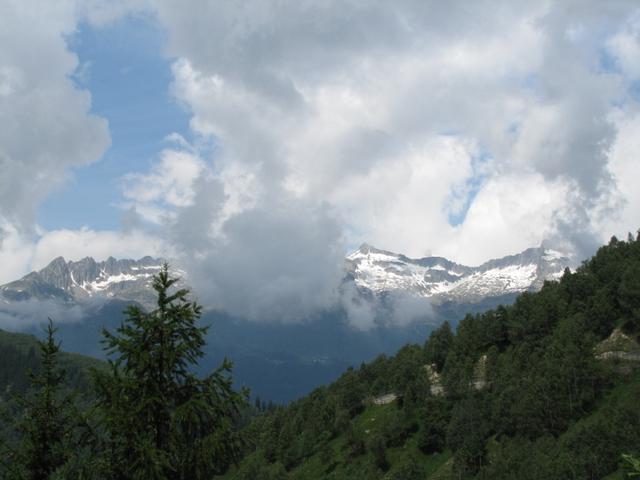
(84, 279)
(440, 279)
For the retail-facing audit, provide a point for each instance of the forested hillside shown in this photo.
(19, 354)
(546, 388)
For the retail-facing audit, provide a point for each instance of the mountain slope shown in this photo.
(19, 353)
(523, 391)
(280, 362)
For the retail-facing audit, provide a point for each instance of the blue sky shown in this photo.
(123, 66)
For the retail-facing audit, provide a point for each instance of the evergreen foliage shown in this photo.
(518, 392)
(633, 466)
(524, 394)
(145, 415)
(160, 420)
(20, 354)
(46, 432)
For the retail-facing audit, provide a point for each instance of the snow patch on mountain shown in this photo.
(71, 282)
(439, 279)
(407, 285)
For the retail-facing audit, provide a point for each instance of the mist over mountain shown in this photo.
(386, 300)
(374, 273)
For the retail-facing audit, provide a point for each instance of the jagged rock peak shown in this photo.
(125, 279)
(440, 279)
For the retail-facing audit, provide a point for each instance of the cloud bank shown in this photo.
(425, 129)
(47, 126)
(471, 131)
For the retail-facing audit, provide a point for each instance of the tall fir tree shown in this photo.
(160, 420)
(47, 421)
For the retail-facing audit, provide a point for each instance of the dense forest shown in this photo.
(547, 388)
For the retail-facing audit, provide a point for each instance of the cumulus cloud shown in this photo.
(417, 127)
(624, 214)
(21, 254)
(169, 183)
(424, 129)
(47, 127)
(15, 253)
(624, 46)
(48, 130)
(275, 262)
(77, 244)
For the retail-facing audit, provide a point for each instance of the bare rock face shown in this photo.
(385, 399)
(620, 346)
(435, 382)
(479, 380)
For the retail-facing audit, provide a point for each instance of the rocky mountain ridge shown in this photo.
(70, 281)
(373, 271)
(440, 280)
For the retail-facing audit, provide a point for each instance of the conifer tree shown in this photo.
(437, 347)
(48, 418)
(160, 420)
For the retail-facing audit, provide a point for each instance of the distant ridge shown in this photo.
(374, 271)
(439, 279)
(70, 281)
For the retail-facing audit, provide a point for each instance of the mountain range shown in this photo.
(442, 280)
(373, 271)
(278, 361)
(71, 282)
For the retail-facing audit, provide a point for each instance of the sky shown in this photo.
(258, 142)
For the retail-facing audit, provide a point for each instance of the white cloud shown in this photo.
(399, 116)
(408, 200)
(168, 184)
(77, 244)
(21, 253)
(510, 214)
(15, 253)
(47, 127)
(624, 216)
(625, 47)
(340, 122)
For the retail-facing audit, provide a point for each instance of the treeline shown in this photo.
(514, 393)
(20, 354)
(144, 415)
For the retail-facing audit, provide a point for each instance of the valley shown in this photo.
(279, 362)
